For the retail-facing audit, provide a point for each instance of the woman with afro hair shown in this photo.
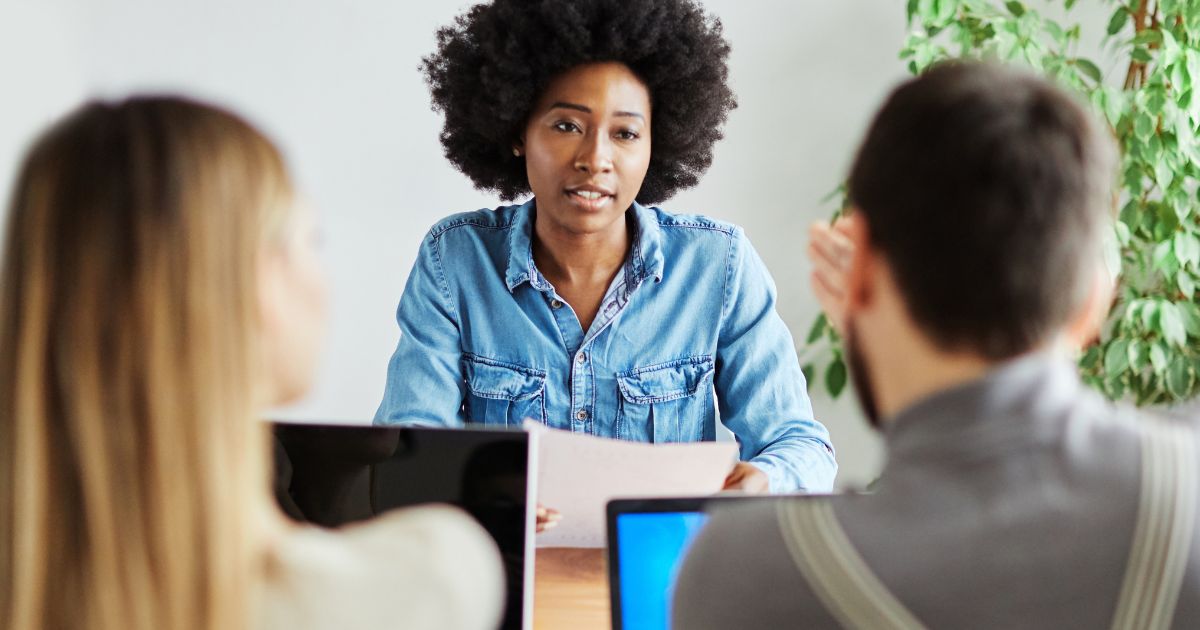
(585, 307)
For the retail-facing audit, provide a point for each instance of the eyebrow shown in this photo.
(587, 110)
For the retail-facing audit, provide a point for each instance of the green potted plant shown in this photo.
(1149, 351)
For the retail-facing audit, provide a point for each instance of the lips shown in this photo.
(589, 197)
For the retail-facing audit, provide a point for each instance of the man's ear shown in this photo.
(860, 280)
(1084, 328)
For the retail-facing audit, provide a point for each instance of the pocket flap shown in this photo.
(665, 381)
(489, 378)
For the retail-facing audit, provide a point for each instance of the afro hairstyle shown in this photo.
(494, 61)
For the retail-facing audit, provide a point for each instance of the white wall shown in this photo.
(336, 84)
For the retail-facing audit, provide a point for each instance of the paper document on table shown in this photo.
(577, 475)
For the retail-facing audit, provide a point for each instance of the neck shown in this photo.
(573, 257)
(914, 380)
(905, 366)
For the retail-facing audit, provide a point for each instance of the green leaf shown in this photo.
(1141, 55)
(1169, 44)
(1114, 104)
(838, 192)
(807, 369)
(1150, 312)
(1147, 37)
(1172, 324)
(818, 329)
(1185, 99)
(1056, 33)
(1187, 249)
(1180, 378)
(1186, 284)
(1131, 313)
(1156, 100)
(946, 10)
(1114, 386)
(1163, 173)
(1091, 70)
(1118, 20)
(1163, 258)
(926, 9)
(1015, 8)
(1158, 358)
(1191, 318)
(1116, 358)
(1143, 126)
(1090, 358)
(1122, 231)
(1139, 355)
(835, 377)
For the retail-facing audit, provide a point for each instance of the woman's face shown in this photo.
(587, 147)
(293, 298)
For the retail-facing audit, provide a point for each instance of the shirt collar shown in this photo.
(645, 255)
(520, 250)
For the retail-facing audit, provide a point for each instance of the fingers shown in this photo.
(733, 481)
(547, 518)
(842, 225)
(832, 244)
(748, 478)
(829, 283)
(831, 252)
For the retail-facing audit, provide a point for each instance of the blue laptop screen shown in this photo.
(652, 546)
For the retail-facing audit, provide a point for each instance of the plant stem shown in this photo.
(1136, 75)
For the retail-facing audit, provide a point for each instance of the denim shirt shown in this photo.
(485, 338)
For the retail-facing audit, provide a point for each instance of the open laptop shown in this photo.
(331, 475)
(647, 542)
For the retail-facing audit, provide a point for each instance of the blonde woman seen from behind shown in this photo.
(158, 291)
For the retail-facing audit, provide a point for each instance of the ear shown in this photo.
(1084, 328)
(860, 278)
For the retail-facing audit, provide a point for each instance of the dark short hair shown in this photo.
(493, 63)
(987, 191)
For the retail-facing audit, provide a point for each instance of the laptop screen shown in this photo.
(651, 547)
(331, 475)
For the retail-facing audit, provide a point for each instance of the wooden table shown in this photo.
(571, 590)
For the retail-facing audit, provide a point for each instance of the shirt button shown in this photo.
(555, 304)
(581, 359)
(581, 414)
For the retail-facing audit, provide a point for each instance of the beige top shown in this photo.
(426, 567)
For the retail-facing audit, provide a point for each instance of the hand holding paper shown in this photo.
(578, 474)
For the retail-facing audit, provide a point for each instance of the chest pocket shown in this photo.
(500, 393)
(667, 402)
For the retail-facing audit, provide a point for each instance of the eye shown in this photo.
(627, 134)
(566, 126)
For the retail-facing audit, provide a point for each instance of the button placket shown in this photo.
(581, 387)
(564, 318)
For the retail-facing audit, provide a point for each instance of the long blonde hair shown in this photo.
(134, 486)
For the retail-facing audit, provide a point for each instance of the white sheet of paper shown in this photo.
(577, 475)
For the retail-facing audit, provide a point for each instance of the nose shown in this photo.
(595, 154)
